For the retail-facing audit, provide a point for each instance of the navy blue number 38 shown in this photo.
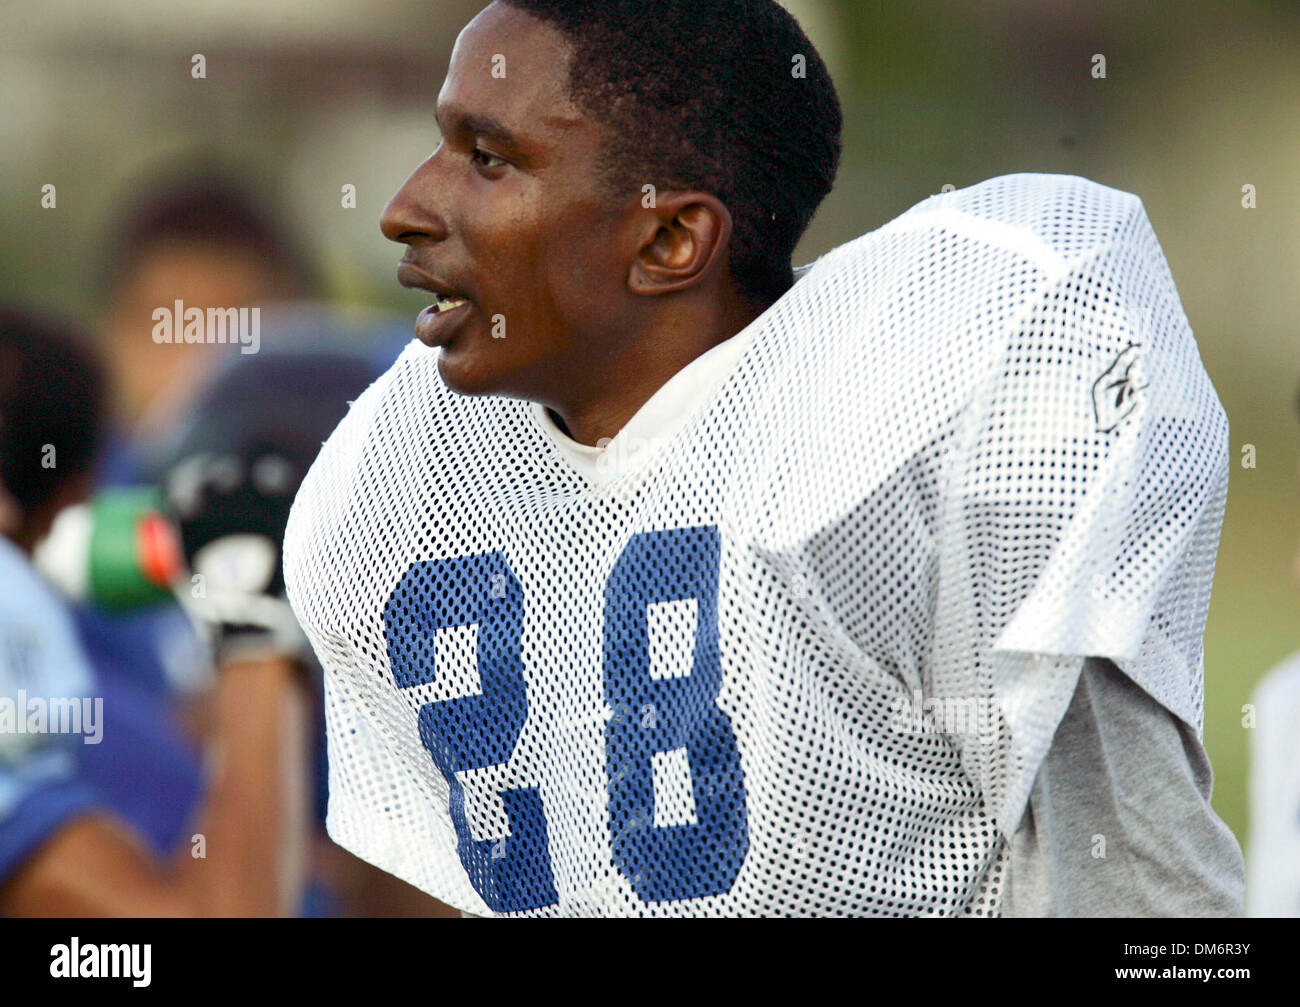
(662, 863)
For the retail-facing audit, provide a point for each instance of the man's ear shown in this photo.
(683, 236)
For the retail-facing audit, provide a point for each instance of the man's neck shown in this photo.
(603, 416)
(635, 378)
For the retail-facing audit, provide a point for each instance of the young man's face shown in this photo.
(509, 214)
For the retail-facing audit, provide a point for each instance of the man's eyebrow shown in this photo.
(480, 125)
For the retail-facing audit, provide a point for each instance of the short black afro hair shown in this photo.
(724, 96)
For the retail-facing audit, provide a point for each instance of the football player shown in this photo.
(65, 847)
(657, 578)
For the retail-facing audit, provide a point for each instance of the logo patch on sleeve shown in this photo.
(1116, 393)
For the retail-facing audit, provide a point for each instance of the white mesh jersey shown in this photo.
(802, 651)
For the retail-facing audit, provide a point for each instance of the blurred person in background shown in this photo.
(63, 850)
(202, 237)
(206, 240)
(1273, 860)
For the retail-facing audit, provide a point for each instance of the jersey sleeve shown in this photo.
(42, 674)
(1119, 821)
(1084, 506)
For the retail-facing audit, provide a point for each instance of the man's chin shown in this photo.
(465, 373)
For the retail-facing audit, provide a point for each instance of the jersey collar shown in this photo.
(656, 423)
(664, 415)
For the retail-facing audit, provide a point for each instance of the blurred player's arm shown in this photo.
(367, 892)
(253, 826)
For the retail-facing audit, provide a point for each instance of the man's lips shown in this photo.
(437, 323)
(412, 276)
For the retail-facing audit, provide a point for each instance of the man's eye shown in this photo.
(486, 160)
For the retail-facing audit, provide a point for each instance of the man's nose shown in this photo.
(411, 215)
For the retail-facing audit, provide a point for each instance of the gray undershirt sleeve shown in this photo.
(1119, 821)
